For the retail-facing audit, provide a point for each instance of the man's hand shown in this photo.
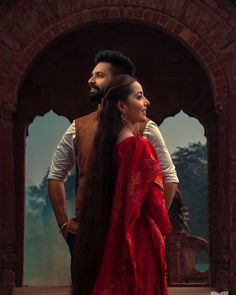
(169, 192)
(64, 230)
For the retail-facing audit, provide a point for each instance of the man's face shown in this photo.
(100, 78)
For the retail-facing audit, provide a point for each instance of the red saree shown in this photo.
(134, 255)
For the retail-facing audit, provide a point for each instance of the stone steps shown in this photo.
(66, 291)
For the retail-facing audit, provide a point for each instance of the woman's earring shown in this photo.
(123, 118)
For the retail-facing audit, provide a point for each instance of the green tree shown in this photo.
(46, 251)
(191, 166)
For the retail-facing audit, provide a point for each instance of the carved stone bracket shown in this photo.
(220, 109)
(222, 112)
(7, 111)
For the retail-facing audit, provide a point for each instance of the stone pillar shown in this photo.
(220, 205)
(7, 200)
(232, 193)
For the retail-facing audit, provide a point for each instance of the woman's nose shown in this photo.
(147, 102)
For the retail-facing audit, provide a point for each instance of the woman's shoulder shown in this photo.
(132, 139)
(135, 142)
(138, 151)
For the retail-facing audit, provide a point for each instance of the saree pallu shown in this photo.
(134, 255)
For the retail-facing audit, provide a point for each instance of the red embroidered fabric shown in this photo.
(134, 255)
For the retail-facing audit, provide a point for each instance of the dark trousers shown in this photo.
(70, 240)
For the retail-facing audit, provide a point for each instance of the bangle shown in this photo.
(61, 228)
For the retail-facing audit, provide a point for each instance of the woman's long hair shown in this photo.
(99, 187)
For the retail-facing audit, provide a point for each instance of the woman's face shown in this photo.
(136, 106)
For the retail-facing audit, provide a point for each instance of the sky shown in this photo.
(46, 131)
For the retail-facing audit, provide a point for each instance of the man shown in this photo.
(76, 144)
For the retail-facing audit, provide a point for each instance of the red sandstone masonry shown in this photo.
(209, 58)
(20, 67)
(221, 98)
(139, 13)
(61, 8)
(221, 88)
(205, 23)
(156, 17)
(186, 34)
(128, 13)
(215, 37)
(114, 12)
(174, 7)
(104, 13)
(199, 44)
(217, 73)
(204, 52)
(171, 25)
(32, 25)
(148, 15)
(86, 15)
(213, 66)
(163, 19)
(193, 39)
(195, 14)
(178, 29)
(96, 14)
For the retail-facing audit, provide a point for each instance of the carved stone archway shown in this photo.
(205, 28)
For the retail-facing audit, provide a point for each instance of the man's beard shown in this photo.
(97, 95)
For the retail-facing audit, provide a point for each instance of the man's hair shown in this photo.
(121, 63)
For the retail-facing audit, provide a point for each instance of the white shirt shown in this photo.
(64, 158)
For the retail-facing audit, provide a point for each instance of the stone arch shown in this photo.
(27, 29)
(155, 16)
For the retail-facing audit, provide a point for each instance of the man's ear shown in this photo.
(121, 106)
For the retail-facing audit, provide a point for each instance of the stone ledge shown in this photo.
(65, 291)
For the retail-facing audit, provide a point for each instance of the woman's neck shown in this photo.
(126, 131)
(129, 128)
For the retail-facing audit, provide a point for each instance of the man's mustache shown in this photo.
(91, 86)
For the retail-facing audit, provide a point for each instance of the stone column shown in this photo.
(7, 200)
(232, 192)
(220, 206)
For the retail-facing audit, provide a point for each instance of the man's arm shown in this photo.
(57, 195)
(169, 192)
(62, 164)
(170, 180)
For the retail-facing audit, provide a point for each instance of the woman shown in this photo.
(123, 221)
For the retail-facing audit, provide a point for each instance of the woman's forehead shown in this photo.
(136, 86)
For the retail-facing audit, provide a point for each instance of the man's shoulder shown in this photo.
(86, 118)
(151, 124)
(151, 130)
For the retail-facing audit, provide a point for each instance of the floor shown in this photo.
(65, 291)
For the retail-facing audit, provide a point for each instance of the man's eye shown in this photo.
(100, 75)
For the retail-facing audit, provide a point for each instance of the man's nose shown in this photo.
(91, 80)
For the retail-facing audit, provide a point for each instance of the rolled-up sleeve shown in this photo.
(63, 160)
(152, 134)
